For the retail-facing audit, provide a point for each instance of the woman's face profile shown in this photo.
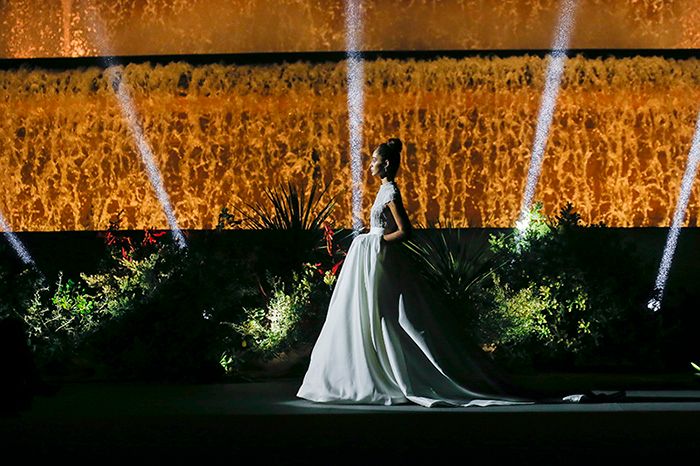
(376, 165)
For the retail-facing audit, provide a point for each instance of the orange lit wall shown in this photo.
(222, 133)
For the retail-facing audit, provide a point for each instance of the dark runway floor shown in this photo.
(264, 423)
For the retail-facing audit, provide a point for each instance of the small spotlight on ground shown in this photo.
(547, 104)
(678, 216)
(355, 98)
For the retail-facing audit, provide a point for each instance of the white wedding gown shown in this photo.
(379, 343)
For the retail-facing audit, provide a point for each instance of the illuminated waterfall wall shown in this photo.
(221, 133)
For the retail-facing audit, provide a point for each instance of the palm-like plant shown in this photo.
(290, 210)
(294, 218)
(452, 264)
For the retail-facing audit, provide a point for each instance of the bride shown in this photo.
(381, 343)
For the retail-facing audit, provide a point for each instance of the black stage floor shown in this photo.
(264, 423)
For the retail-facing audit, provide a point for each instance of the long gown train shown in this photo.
(380, 341)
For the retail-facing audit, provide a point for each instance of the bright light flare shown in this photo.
(15, 242)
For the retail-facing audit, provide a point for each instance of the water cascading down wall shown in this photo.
(222, 131)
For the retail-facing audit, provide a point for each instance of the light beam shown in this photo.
(355, 98)
(128, 110)
(15, 242)
(547, 104)
(678, 216)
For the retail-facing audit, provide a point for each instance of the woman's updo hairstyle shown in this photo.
(391, 151)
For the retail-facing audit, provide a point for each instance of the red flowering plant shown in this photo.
(117, 240)
(329, 267)
(122, 245)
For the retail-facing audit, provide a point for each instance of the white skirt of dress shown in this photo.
(378, 344)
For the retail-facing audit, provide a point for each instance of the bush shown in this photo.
(166, 308)
(292, 316)
(150, 313)
(58, 320)
(453, 267)
(566, 294)
(292, 222)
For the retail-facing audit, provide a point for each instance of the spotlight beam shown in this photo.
(548, 101)
(128, 110)
(355, 99)
(678, 216)
(15, 242)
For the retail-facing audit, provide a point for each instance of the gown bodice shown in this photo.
(380, 215)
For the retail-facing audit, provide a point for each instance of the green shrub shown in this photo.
(164, 310)
(57, 319)
(452, 266)
(565, 294)
(121, 288)
(291, 318)
(270, 330)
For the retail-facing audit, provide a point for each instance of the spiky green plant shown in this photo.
(293, 220)
(291, 209)
(449, 261)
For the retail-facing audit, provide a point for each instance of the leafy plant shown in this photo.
(546, 320)
(292, 315)
(450, 261)
(149, 313)
(121, 288)
(120, 244)
(268, 331)
(70, 298)
(58, 320)
(164, 303)
(291, 210)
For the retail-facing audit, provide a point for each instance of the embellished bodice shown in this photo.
(380, 215)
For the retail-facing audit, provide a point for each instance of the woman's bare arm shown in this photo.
(402, 222)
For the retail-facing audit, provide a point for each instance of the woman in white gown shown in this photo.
(380, 343)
